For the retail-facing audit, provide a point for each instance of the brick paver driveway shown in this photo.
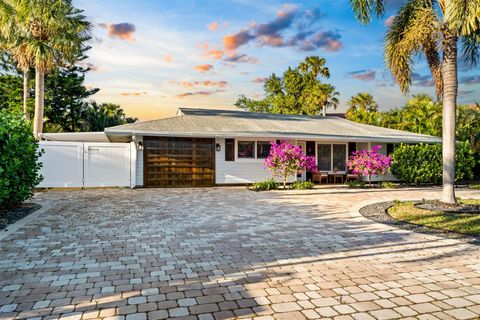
(223, 253)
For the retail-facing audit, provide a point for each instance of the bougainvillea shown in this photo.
(367, 163)
(286, 160)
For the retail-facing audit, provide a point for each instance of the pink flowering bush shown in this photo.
(367, 163)
(286, 160)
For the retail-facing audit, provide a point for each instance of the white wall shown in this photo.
(86, 164)
(241, 170)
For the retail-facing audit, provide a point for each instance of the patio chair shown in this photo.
(352, 176)
(319, 176)
(338, 175)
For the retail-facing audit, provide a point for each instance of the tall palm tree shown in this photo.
(314, 66)
(431, 28)
(363, 100)
(328, 97)
(11, 42)
(45, 33)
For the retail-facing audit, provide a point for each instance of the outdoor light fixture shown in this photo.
(218, 147)
(140, 145)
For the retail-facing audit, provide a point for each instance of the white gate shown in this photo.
(87, 164)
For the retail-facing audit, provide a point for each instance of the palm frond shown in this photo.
(471, 49)
(463, 16)
(365, 10)
(415, 30)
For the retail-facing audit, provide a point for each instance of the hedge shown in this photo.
(19, 166)
(422, 163)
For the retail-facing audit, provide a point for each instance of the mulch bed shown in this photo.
(17, 213)
(378, 213)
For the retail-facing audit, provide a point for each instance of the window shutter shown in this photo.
(229, 149)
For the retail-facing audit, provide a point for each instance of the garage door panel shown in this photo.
(179, 162)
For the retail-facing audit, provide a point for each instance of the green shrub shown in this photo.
(19, 164)
(422, 163)
(269, 184)
(302, 185)
(388, 185)
(356, 184)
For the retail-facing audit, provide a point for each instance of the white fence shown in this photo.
(87, 164)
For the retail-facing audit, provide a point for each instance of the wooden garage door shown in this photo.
(179, 162)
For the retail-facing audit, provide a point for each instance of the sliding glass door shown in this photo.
(331, 157)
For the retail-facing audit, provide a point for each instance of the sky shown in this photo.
(152, 57)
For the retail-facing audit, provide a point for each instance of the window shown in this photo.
(324, 157)
(246, 149)
(263, 149)
(362, 146)
(229, 150)
(339, 154)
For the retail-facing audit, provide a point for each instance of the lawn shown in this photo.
(465, 223)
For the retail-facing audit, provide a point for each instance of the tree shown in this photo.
(45, 34)
(363, 109)
(431, 28)
(298, 91)
(100, 116)
(286, 160)
(369, 162)
(66, 97)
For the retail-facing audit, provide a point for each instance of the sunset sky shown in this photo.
(152, 57)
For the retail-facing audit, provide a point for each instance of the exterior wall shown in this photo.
(139, 164)
(240, 171)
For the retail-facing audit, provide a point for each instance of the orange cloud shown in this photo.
(198, 93)
(213, 26)
(204, 45)
(126, 94)
(214, 54)
(233, 41)
(206, 83)
(203, 68)
(168, 58)
(259, 80)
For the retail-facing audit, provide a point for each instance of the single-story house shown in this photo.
(205, 147)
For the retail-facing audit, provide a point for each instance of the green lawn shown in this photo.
(462, 223)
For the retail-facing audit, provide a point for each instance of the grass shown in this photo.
(464, 223)
(475, 186)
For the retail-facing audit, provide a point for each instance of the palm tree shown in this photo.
(11, 41)
(363, 100)
(45, 33)
(328, 97)
(314, 66)
(431, 28)
(363, 109)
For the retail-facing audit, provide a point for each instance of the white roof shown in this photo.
(75, 136)
(191, 122)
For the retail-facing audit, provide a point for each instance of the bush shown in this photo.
(269, 184)
(388, 185)
(422, 163)
(356, 184)
(19, 164)
(302, 185)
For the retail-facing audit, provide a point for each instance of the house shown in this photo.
(204, 147)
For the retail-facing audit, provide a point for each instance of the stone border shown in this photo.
(12, 228)
(378, 213)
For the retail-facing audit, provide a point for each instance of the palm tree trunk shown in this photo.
(39, 102)
(324, 110)
(450, 87)
(25, 94)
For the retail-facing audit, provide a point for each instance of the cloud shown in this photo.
(290, 28)
(465, 92)
(214, 54)
(133, 93)
(213, 26)
(422, 80)
(167, 58)
(198, 93)
(203, 68)
(470, 80)
(123, 30)
(259, 80)
(91, 66)
(388, 22)
(240, 58)
(363, 75)
(205, 83)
